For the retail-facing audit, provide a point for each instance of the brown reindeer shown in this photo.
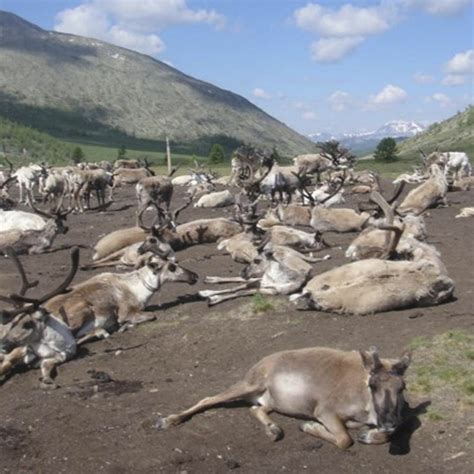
(333, 389)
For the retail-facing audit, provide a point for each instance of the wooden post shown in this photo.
(168, 154)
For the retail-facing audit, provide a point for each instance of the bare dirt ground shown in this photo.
(192, 351)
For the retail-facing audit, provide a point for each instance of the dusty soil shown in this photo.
(99, 422)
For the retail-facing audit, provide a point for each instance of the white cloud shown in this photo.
(453, 80)
(442, 99)
(341, 30)
(340, 101)
(423, 78)
(332, 49)
(390, 94)
(438, 7)
(459, 68)
(261, 93)
(132, 24)
(461, 63)
(309, 115)
(347, 21)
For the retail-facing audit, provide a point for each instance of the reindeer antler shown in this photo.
(62, 288)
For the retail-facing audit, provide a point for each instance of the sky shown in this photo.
(318, 66)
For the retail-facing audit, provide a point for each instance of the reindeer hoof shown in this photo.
(48, 385)
(274, 432)
(162, 423)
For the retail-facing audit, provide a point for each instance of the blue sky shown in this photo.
(332, 66)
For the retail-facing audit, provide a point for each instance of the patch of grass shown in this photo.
(443, 369)
(261, 304)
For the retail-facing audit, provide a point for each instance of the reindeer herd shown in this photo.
(280, 217)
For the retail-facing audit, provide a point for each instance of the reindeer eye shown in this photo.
(29, 325)
(172, 267)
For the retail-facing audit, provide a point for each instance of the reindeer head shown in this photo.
(56, 216)
(23, 329)
(23, 325)
(166, 270)
(386, 386)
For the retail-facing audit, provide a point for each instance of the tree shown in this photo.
(336, 152)
(77, 155)
(122, 151)
(386, 150)
(217, 154)
(275, 155)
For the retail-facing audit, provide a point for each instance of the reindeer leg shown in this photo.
(333, 430)
(133, 319)
(373, 436)
(212, 300)
(239, 391)
(11, 359)
(210, 293)
(98, 333)
(272, 430)
(47, 367)
(211, 279)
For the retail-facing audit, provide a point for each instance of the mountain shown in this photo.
(453, 134)
(363, 143)
(74, 86)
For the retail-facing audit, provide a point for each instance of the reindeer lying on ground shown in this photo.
(429, 194)
(466, 212)
(277, 270)
(216, 199)
(376, 285)
(31, 334)
(375, 240)
(333, 389)
(33, 241)
(291, 215)
(95, 307)
(137, 253)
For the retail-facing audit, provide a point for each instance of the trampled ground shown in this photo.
(192, 351)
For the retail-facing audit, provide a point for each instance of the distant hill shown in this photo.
(454, 134)
(23, 144)
(77, 87)
(364, 143)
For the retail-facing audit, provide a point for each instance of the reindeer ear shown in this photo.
(371, 359)
(404, 362)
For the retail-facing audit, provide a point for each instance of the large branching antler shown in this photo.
(34, 303)
(25, 284)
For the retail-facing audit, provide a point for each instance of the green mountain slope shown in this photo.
(23, 144)
(453, 134)
(74, 86)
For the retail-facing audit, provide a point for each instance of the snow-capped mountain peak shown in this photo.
(398, 129)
